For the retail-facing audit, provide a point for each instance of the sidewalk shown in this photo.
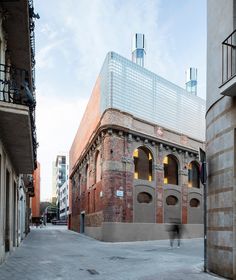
(53, 252)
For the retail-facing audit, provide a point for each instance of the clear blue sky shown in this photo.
(72, 39)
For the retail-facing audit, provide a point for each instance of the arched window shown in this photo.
(79, 185)
(193, 175)
(87, 176)
(194, 202)
(170, 170)
(98, 167)
(171, 200)
(142, 164)
(144, 197)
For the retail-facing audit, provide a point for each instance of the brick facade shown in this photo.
(112, 199)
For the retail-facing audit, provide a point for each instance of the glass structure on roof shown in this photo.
(131, 88)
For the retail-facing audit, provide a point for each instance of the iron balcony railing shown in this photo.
(229, 57)
(32, 17)
(14, 88)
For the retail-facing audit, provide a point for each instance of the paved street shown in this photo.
(56, 253)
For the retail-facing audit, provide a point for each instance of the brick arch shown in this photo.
(87, 176)
(194, 174)
(151, 149)
(143, 163)
(97, 164)
(171, 169)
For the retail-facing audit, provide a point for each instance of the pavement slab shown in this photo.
(55, 253)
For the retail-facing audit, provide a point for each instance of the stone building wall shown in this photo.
(221, 188)
(220, 138)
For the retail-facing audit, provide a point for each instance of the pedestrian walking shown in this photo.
(175, 232)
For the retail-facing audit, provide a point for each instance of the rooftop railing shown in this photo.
(229, 58)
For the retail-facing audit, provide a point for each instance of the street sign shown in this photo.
(203, 173)
(202, 155)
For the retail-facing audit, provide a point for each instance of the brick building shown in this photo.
(35, 201)
(134, 160)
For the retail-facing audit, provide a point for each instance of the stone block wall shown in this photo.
(221, 230)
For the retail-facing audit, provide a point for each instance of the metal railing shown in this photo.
(32, 17)
(15, 88)
(229, 57)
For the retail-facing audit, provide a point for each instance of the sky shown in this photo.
(72, 40)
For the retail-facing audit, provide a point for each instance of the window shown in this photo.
(94, 200)
(79, 185)
(142, 164)
(194, 202)
(98, 167)
(171, 200)
(144, 197)
(193, 175)
(89, 202)
(170, 170)
(87, 176)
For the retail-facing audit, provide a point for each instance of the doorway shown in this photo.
(82, 218)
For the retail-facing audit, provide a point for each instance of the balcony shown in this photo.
(29, 185)
(228, 86)
(17, 123)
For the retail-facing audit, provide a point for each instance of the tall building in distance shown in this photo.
(64, 199)
(54, 183)
(61, 168)
(134, 161)
(221, 137)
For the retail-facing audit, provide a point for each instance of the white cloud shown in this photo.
(57, 122)
(44, 55)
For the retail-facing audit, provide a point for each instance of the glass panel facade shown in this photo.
(131, 88)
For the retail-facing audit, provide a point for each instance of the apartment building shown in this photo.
(18, 142)
(61, 179)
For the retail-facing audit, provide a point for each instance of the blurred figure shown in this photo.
(175, 232)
